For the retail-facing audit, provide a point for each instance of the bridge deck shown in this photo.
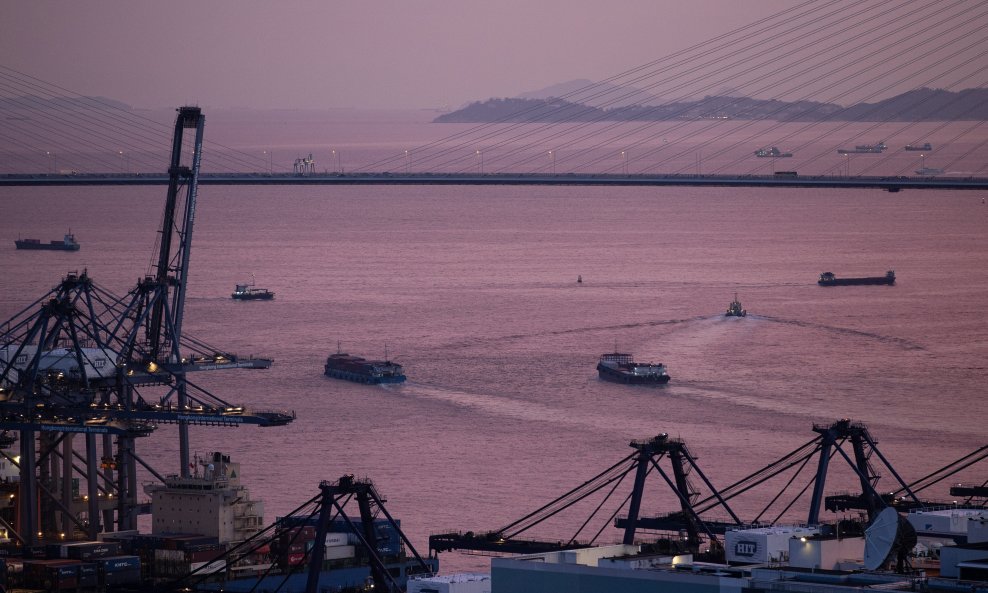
(765, 181)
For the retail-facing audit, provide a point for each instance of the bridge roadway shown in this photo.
(605, 180)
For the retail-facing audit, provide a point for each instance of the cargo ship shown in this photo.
(927, 147)
(619, 367)
(68, 243)
(735, 309)
(830, 279)
(773, 152)
(360, 370)
(208, 534)
(864, 149)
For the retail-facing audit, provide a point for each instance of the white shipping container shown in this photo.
(170, 555)
(208, 567)
(762, 544)
(336, 539)
(455, 583)
(338, 552)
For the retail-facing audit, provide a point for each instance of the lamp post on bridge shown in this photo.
(552, 159)
(270, 159)
(52, 161)
(480, 159)
(407, 163)
(124, 161)
(336, 157)
(624, 159)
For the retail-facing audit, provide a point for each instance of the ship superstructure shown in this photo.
(211, 502)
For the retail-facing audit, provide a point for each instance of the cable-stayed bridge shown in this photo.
(856, 95)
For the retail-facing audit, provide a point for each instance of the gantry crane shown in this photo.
(81, 361)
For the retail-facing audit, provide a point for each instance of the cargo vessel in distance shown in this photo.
(360, 370)
(68, 243)
(619, 367)
(829, 279)
(864, 149)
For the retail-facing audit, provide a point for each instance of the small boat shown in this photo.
(247, 292)
(579, 279)
(773, 152)
(619, 367)
(68, 243)
(927, 147)
(360, 370)
(735, 309)
(830, 279)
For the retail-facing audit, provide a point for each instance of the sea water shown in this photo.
(474, 291)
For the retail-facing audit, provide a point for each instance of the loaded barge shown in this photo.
(360, 370)
(619, 367)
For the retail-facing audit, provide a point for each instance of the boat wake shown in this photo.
(900, 342)
(490, 405)
(571, 331)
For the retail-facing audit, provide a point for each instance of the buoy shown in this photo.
(579, 279)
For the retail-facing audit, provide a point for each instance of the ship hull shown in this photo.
(253, 297)
(608, 374)
(857, 281)
(362, 378)
(39, 246)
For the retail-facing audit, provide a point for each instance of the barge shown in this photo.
(619, 367)
(360, 370)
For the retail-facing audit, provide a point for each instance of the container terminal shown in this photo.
(93, 400)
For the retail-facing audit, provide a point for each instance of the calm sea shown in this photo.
(473, 290)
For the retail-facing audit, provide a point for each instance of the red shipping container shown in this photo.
(295, 559)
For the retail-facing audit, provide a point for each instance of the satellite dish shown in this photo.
(880, 538)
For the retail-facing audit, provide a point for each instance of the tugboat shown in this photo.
(735, 309)
(619, 367)
(360, 370)
(926, 147)
(830, 279)
(247, 292)
(68, 243)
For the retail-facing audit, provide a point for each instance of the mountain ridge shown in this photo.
(923, 104)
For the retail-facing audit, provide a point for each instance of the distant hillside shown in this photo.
(35, 102)
(587, 92)
(919, 105)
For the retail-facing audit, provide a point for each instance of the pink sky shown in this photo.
(346, 53)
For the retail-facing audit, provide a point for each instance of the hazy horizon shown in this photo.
(313, 55)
